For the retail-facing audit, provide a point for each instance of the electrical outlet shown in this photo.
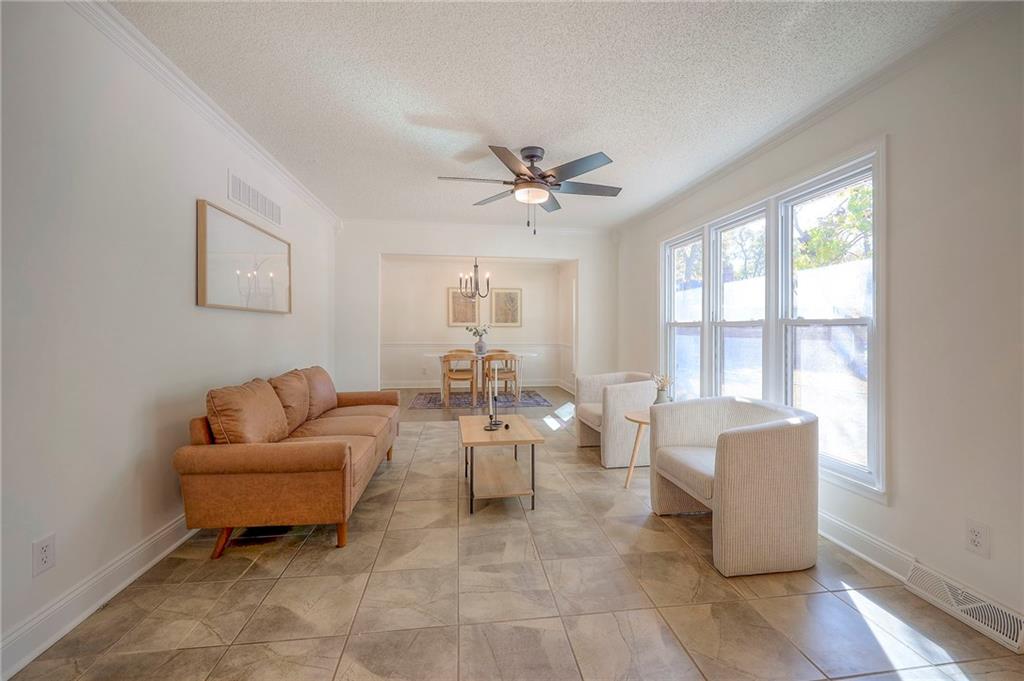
(44, 554)
(979, 538)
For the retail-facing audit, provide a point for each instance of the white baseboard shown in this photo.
(925, 581)
(879, 553)
(31, 637)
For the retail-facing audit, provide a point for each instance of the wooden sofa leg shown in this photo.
(342, 534)
(390, 449)
(222, 542)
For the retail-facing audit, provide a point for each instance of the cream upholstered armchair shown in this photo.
(754, 464)
(601, 402)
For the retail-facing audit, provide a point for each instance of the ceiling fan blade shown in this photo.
(578, 167)
(586, 189)
(551, 204)
(476, 179)
(511, 161)
(489, 199)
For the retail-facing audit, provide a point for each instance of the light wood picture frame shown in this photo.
(506, 307)
(462, 311)
(240, 265)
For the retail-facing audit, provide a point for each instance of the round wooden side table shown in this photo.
(642, 419)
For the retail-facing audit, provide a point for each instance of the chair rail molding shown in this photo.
(410, 363)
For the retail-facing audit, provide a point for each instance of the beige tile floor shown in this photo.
(589, 585)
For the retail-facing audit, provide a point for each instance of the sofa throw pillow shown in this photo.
(293, 391)
(322, 395)
(246, 413)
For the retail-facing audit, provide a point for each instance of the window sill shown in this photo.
(863, 489)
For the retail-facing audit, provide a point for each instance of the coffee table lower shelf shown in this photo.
(498, 476)
(493, 475)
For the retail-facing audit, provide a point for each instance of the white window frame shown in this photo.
(869, 482)
(837, 470)
(714, 238)
(668, 311)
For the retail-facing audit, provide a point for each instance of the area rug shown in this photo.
(461, 400)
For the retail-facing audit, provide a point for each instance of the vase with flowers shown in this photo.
(661, 383)
(479, 331)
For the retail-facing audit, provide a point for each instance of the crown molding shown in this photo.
(111, 23)
(810, 117)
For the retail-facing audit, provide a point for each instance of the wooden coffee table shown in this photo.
(495, 476)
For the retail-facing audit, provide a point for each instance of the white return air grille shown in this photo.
(995, 621)
(243, 193)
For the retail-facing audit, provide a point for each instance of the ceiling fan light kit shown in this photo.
(532, 192)
(536, 187)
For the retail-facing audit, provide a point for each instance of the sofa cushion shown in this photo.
(590, 414)
(245, 413)
(690, 467)
(322, 395)
(361, 444)
(370, 426)
(384, 410)
(293, 391)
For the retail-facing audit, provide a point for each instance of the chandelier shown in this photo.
(469, 286)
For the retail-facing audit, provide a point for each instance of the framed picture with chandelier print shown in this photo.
(506, 307)
(462, 311)
(239, 265)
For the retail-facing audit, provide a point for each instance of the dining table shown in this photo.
(476, 362)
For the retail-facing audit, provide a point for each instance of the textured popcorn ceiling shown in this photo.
(368, 103)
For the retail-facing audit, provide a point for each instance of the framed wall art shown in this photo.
(506, 307)
(462, 311)
(239, 265)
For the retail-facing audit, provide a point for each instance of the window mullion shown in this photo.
(773, 370)
(707, 340)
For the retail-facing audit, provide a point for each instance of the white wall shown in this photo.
(952, 116)
(568, 273)
(414, 316)
(362, 244)
(105, 354)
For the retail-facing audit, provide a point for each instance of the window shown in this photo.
(739, 306)
(686, 315)
(829, 298)
(788, 312)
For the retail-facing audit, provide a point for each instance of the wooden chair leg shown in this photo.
(222, 542)
(342, 534)
(390, 450)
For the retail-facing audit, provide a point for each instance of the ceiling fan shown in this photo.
(535, 186)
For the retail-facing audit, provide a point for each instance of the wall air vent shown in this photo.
(989, 618)
(243, 193)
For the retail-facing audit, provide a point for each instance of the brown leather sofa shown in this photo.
(288, 451)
